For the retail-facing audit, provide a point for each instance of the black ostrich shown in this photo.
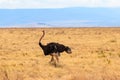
(53, 49)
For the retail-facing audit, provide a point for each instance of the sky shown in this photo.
(18, 4)
(13, 12)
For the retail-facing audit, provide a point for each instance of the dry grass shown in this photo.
(96, 54)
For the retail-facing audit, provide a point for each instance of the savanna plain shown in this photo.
(95, 54)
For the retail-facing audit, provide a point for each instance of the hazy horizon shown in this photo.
(59, 13)
(67, 17)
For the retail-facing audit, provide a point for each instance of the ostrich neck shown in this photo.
(41, 45)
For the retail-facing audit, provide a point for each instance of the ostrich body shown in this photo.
(53, 49)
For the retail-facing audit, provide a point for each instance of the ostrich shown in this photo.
(53, 49)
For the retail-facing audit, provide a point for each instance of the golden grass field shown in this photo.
(95, 54)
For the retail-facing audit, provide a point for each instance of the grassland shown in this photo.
(95, 54)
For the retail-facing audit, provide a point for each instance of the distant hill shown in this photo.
(61, 17)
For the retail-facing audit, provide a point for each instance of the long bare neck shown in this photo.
(42, 36)
(41, 45)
